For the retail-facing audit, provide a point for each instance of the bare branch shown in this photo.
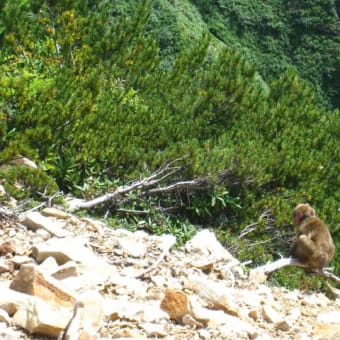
(269, 222)
(199, 183)
(271, 267)
(146, 185)
(133, 212)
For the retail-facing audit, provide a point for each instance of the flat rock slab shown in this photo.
(34, 220)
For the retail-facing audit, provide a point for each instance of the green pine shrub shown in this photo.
(94, 102)
(23, 182)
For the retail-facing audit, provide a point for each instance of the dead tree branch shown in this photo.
(265, 216)
(148, 186)
(271, 267)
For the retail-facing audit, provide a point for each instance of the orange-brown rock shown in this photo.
(31, 281)
(175, 304)
(7, 247)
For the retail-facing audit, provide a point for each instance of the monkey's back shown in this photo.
(317, 231)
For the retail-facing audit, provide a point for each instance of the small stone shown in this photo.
(44, 234)
(271, 315)
(282, 326)
(188, 320)
(257, 277)
(204, 334)
(12, 233)
(7, 247)
(254, 314)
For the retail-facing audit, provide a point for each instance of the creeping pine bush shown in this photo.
(22, 182)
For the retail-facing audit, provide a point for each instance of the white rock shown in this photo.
(315, 300)
(68, 269)
(43, 318)
(12, 233)
(49, 265)
(204, 243)
(34, 220)
(4, 266)
(4, 317)
(129, 286)
(132, 247)
(11, 300)
(19, 260)
(294, 316)
(91, 274)
(271, 315)
(329, 317)
(140, 312)
(93, 307)
(6, 333)
(44, 234)
(229, 325)
(154, 330)
(214, 318)
(93, 225)
(165, 241)
(257, 277)
(215, 293)
(204, 334)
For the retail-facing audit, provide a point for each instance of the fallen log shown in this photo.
(271, 267)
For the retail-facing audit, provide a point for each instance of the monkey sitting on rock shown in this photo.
(314, 246)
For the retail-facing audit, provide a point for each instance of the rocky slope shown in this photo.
(138, 286)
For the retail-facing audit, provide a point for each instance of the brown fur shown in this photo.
(314, 245)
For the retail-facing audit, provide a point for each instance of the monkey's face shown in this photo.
(303, 211)
(298, 217)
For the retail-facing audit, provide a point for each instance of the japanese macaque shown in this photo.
(314, 245)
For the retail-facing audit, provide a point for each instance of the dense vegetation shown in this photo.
(92, 91)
